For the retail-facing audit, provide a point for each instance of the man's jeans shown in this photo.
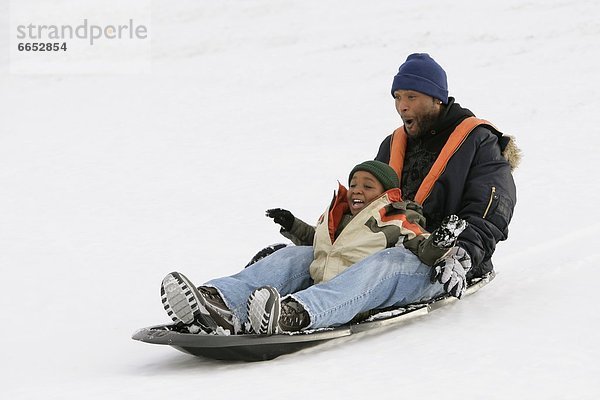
(393, 276)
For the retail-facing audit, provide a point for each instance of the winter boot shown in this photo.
(268, 315)
(185, 303)
(293, 316)
(216, 307)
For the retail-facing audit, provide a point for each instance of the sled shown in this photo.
(248, 347)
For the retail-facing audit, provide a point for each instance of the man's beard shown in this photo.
(425, 124)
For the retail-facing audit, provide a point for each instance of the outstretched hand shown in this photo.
(282, 217)
(451, 271)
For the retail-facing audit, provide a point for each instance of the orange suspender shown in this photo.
(397, 150)
(458, 136)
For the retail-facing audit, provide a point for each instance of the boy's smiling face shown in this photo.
(364, 188)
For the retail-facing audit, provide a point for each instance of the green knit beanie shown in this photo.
(383, 172)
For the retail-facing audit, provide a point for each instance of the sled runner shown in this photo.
(247, 347)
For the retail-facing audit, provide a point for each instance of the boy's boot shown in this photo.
(293, 316)
(268, 315)
(186, 303)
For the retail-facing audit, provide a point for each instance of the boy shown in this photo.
(387, 223)
(366, 218)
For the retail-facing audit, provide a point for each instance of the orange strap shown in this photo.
(397, 150)
(458, 136)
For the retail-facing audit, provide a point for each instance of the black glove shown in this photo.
(445, 236)
(281, 217)
(451, 271)
(267, 251)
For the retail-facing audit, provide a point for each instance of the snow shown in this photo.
(111, 180)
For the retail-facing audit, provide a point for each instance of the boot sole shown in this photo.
(180, 300)
(264, 306)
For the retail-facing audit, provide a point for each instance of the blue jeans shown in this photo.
(391, 277)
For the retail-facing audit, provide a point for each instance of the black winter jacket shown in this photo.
(477, 185)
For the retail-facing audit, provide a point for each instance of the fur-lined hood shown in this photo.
(512, 153)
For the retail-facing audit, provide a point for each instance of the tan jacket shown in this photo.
(340, 242)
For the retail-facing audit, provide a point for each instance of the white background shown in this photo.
(109, 181)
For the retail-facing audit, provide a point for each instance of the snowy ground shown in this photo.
(109, 181)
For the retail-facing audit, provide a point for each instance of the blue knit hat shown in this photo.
(421, 73)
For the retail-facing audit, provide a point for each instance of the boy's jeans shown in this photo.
(393, 276)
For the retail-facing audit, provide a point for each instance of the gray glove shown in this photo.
(451, 271)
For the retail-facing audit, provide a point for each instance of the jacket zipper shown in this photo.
(490, 202)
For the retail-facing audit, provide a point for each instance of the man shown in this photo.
(448, 161)
(451, 162)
